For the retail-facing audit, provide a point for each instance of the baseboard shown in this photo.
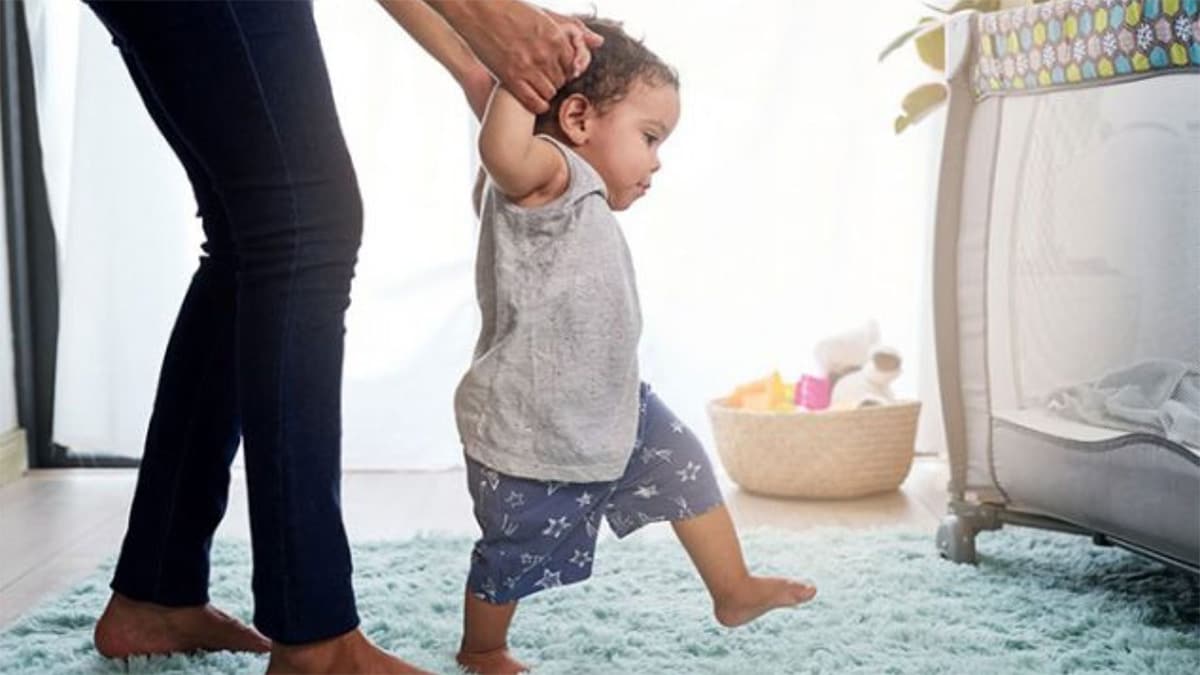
(14, 455)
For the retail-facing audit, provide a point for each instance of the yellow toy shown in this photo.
(770, 393)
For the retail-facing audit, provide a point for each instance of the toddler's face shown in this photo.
(624, 145)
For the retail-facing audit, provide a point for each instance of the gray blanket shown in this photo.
(1160, 396)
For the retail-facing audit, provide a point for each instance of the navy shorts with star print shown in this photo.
(539, 534)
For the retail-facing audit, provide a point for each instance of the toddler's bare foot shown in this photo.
(759, 595)
(492, 662)
(129, 627)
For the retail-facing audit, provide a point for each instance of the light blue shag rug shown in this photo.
(1038, 602)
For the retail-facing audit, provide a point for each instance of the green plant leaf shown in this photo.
(931, 47)
(920, 102)
(906, 35)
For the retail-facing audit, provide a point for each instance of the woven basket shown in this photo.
(828, 454)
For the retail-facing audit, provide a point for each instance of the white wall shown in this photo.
(787, 210)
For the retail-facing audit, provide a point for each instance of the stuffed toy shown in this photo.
(870, 384)
(846, 351)
(860, 370)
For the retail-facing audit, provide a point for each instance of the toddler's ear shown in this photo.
(575, 117)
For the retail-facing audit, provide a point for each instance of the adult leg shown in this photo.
(160, 588)
(245, 88)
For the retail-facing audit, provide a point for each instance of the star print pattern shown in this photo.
(650, 454)
(529, 561)
(549, 579)
(489, 588)
(689, 472)
(647, 491)
(540, 534)
(685, 511)
(581, 558)
(508, 526)
(556, 527)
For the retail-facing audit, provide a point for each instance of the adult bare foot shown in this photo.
(347, 653)
(493, 662)
(128, 627)
(759, 595)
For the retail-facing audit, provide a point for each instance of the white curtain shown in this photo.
(786, 209)
(8, 375)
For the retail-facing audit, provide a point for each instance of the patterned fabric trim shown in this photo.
(1063, 43)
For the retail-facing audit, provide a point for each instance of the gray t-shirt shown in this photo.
(552, 392)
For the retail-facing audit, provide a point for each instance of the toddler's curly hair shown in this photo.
(616, 65)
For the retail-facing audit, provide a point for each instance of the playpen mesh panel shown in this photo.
(1094, 249)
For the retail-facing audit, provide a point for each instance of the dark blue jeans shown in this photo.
(241, 93)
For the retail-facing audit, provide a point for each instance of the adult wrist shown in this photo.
(454, 11)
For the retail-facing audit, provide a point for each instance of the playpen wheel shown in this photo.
(956, 540)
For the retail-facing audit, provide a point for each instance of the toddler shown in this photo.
(559, 432)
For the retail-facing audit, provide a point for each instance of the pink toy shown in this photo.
(812, 392)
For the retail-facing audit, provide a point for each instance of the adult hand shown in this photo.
(581, 38)
(530, 51)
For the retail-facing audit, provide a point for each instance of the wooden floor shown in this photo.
(57, 525)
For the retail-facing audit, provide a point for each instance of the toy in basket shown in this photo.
(840, 434)
(828, 454)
